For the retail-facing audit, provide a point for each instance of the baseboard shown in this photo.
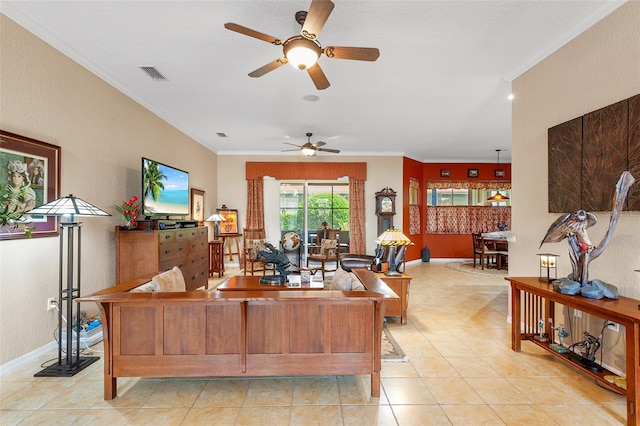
(26, 359)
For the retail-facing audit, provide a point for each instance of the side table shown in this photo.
(400, 285)
(216, 254)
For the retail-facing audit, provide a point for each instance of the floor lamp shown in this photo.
(69, 273)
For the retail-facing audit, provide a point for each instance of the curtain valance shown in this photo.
(463, 184)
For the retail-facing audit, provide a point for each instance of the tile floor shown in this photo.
(461, 372)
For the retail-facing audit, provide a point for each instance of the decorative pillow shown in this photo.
(171, 280)
(144, 288)
(356, 285)
(340, 280)
(253, 247)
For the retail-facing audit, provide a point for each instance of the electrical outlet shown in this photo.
(51, 303)
(614, 326)
(577, 313)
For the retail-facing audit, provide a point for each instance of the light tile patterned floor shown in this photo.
(461, 372)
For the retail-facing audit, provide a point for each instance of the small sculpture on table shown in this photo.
(540, 337)
(573, 227)
(279, 260)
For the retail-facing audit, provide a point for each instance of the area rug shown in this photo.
(391, 351)
(469, 269)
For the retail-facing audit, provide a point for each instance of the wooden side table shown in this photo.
(216, 255)
(400, 285)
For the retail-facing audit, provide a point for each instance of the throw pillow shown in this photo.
(340, 280)
(144, 288)
(171, 280)
(328, 247)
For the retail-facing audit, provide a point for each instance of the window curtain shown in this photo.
(357, 243)
(255, 203)
(466, 219)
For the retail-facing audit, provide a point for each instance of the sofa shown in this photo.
(152, 329)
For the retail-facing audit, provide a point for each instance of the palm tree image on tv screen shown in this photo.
(165, 189)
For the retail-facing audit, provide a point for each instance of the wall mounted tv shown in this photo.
(165, 189)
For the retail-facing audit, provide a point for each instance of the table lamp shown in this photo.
(69, 207)
(393, 238)
(548, 263)
(216, 219)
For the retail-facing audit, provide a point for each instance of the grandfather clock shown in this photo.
(385, 208)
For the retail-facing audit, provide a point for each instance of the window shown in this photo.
(465, 197)
(305, 205)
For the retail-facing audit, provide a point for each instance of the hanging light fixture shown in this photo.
(498, 196)
(301, 53)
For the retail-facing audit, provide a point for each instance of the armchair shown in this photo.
(253, 242)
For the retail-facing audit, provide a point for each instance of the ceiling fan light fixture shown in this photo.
(301, 53)
(308, 151)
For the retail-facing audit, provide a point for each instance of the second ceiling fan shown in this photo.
(304, 50)
(310, 149)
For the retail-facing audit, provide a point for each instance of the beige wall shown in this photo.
(381, 172)
(103, 134)
(600, 67)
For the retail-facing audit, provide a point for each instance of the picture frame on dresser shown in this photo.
(39, 165)
(197, 205)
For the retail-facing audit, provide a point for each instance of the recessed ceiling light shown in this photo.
(311, 98)
(510, 97)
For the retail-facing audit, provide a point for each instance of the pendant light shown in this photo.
(498, 196)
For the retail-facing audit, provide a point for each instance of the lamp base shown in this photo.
(63, 370)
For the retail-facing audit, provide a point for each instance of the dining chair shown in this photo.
(482, 252)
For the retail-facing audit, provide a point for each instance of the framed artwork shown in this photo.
(445, 173)
(29, 178)
(197, 205)
(230, 225)
(472, 173)
(499, 172)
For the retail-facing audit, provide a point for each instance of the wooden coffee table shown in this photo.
(252, 282)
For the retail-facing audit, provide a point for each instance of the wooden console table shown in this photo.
(532, 300)
(400, 285)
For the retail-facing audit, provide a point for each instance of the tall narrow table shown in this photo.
(532, 299)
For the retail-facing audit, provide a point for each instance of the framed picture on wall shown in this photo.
(29, 178)
(230, 224)
(499, 172)
(197, 205)
(445, 173)
(472, 173)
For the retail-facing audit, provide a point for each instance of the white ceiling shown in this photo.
(438, 92)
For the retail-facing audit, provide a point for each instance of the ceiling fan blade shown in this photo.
(319, 144)
(355, 53)
(317, 15)
(318, 77)
(253, 33)
(335, 151)
(269, 67)
(292, 144)
(287, 150)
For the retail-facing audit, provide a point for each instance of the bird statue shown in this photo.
(571, 224)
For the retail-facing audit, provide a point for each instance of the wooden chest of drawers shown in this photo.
(147, 252)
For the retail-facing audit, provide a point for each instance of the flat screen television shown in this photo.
(165, 189)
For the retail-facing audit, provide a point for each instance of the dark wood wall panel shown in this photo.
(565, 166)
(347, 322)
(588, 154)
(604, 154)
(633, 200)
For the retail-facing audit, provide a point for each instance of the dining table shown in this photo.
(499, 241)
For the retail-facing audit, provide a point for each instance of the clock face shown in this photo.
(386, 205)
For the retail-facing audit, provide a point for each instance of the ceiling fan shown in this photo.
(310, 149)
(302, 51)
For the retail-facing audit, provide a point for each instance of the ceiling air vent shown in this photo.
(222, 135)
(153, 73)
